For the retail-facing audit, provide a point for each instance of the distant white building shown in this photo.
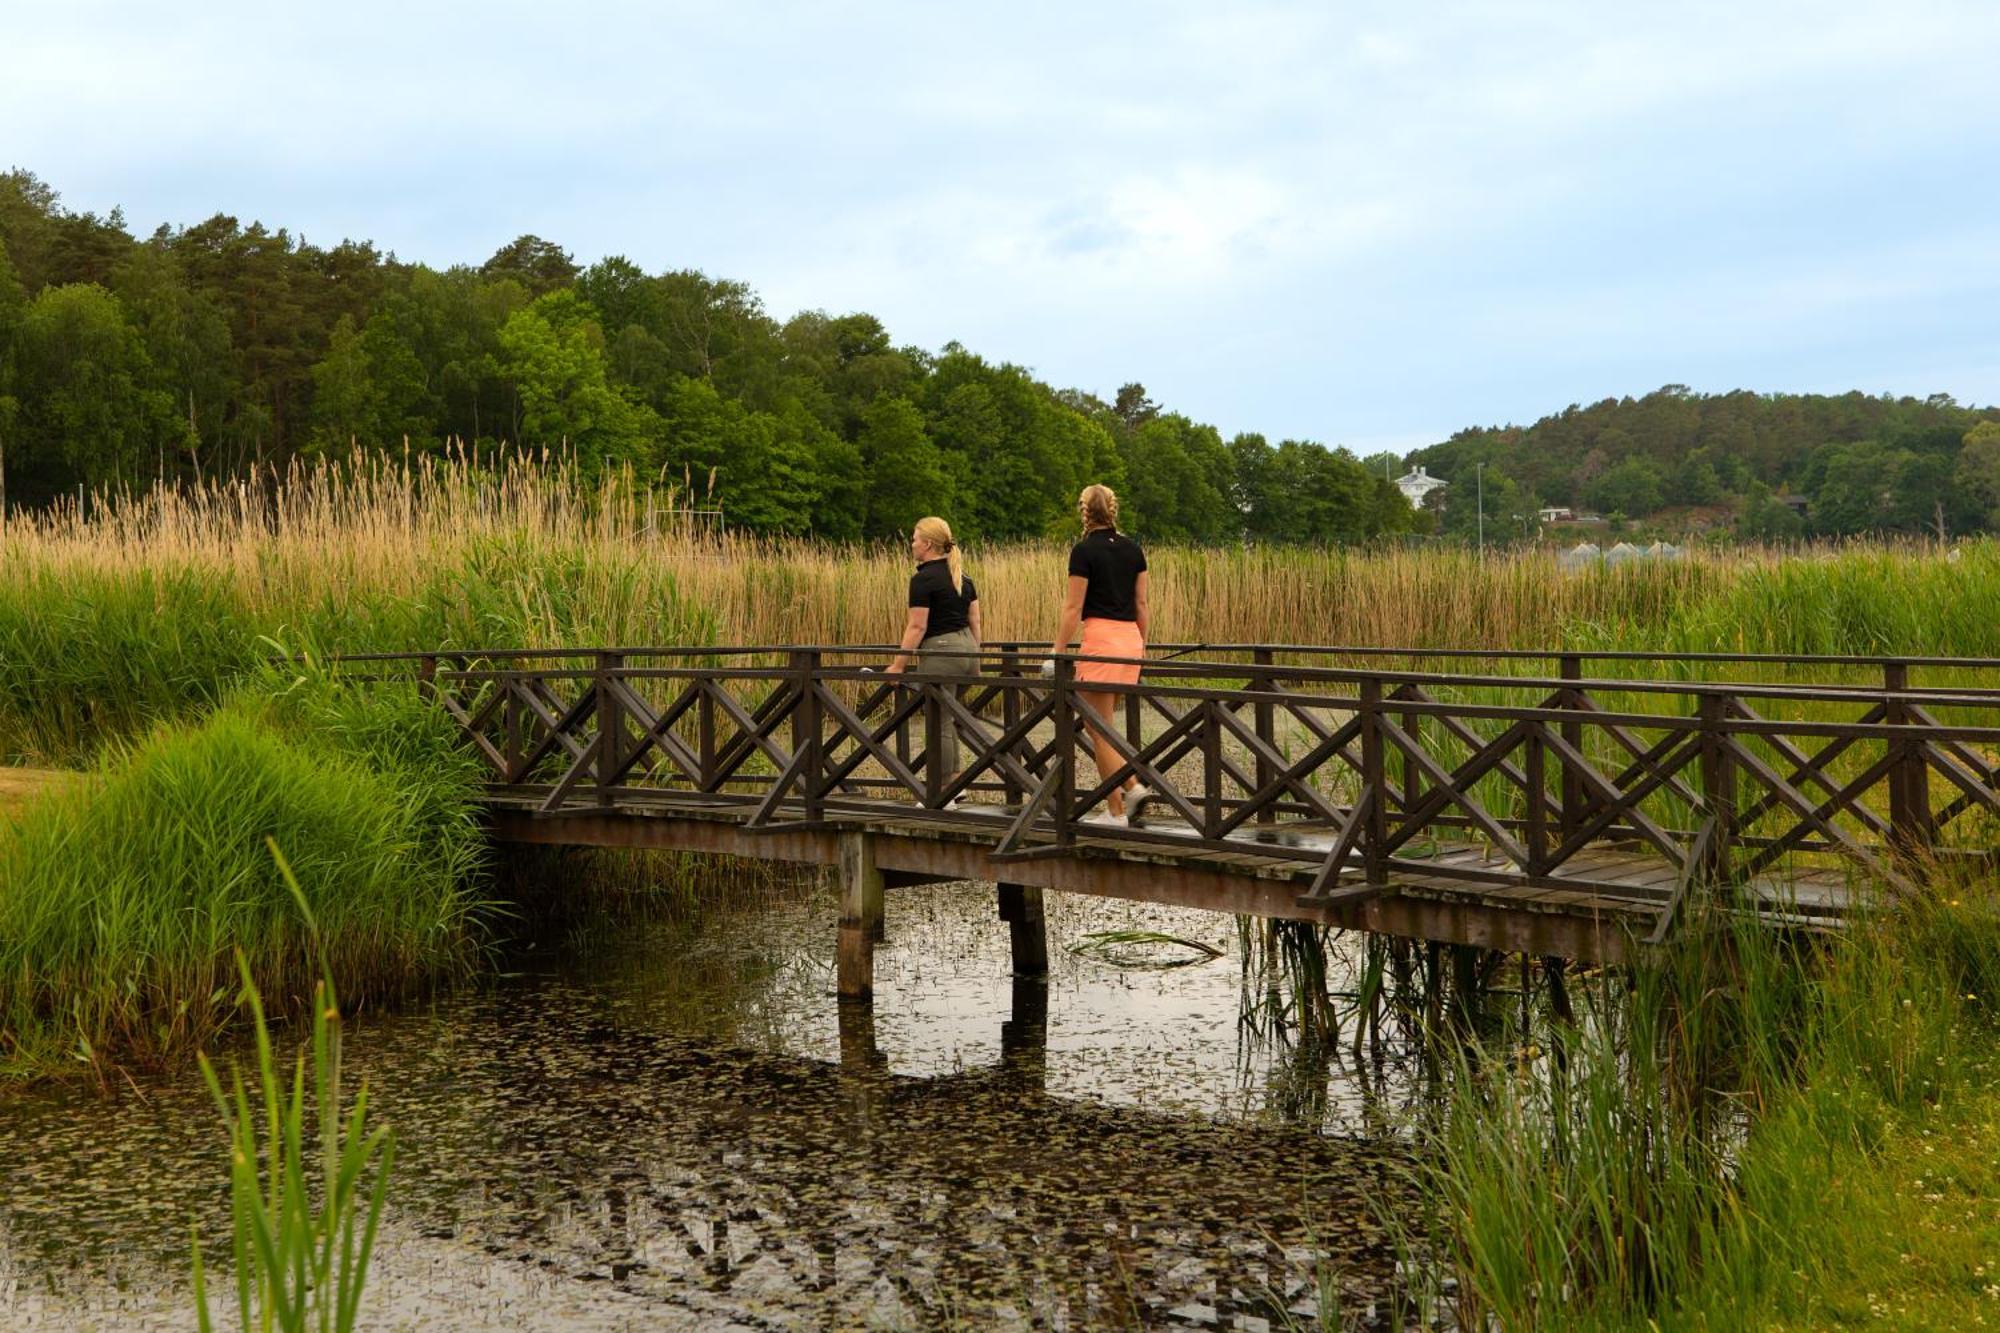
(1416, 485)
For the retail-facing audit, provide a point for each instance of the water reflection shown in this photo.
(680, 1125)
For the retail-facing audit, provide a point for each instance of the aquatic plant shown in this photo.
(304, 1215)
(1142, 949)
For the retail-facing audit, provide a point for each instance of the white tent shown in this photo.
(1620, 553)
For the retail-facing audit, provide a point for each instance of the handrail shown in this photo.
(1040, 646)
(1294, 675)
(1387, 756)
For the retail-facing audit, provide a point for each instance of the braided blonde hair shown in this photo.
(1098, 507)
(937, 535)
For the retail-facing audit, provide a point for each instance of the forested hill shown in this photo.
(1857, 463)
(214, 348)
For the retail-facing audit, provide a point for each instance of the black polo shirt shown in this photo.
(1112, 562)
(931, 586)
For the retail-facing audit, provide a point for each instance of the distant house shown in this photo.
(1558, 514)
(1416, 485)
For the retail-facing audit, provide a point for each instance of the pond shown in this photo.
(674, 1123)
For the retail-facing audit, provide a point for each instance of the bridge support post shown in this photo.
(1021, 909)
(860, 915)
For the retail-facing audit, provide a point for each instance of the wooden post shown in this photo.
(1718, 786)
(610, 725)
(1021, 909)
(1413, 778)
(934, 725)
(1536, 816)
(1265, 722)
(806, 734)
(858, 1052)
(1374, 784)
(860, 915)
(705, 734)
(1570, 816)
(1010, 713)
(1065, 728)
(511, 711)
(427, 670)
(1211, 768)
(1912, 822)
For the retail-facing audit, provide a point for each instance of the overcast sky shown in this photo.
(1358, 223)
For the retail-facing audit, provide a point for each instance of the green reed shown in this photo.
(123, 898)
(1668, 1160)
(304, 1214)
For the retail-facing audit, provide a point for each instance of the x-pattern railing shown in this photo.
(1367, 773)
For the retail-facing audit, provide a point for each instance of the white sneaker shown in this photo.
(1135, 802)
(1099, 816)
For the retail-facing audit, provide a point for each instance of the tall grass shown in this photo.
(1676, 1159)
(124, 898)
(136, 612)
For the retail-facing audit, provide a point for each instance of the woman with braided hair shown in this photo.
(1106, 599)
(941, 634)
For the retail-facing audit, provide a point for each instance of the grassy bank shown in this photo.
(1750, 1130)
(124, 896)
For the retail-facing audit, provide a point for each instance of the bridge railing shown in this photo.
(1331, 757)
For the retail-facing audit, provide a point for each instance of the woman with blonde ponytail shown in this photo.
(941, 635)
(1106, 599)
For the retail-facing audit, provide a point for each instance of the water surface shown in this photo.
(675, 1124)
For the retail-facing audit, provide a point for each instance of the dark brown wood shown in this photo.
(1374, 783)
(1064, 774)
(1912, 823)
(1264, 715)
(1408, 782)
(1021, 909)
(1569, 806)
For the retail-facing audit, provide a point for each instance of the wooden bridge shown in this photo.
(1563, 804)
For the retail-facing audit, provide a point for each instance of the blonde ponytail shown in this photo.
(937, 535)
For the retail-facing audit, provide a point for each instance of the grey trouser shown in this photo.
(936, 657)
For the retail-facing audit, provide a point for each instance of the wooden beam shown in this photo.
(860, 915)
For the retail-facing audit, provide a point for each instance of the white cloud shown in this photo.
(1283, 216)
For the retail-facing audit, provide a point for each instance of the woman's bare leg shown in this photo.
(1108, 759)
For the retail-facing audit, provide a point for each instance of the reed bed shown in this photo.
(133, 608)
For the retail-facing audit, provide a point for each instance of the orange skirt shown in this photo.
(1110, 638)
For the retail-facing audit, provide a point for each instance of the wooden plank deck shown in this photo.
(1601, 918)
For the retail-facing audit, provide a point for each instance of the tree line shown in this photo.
(1773, 466)
(217, 348)
(214, 349)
